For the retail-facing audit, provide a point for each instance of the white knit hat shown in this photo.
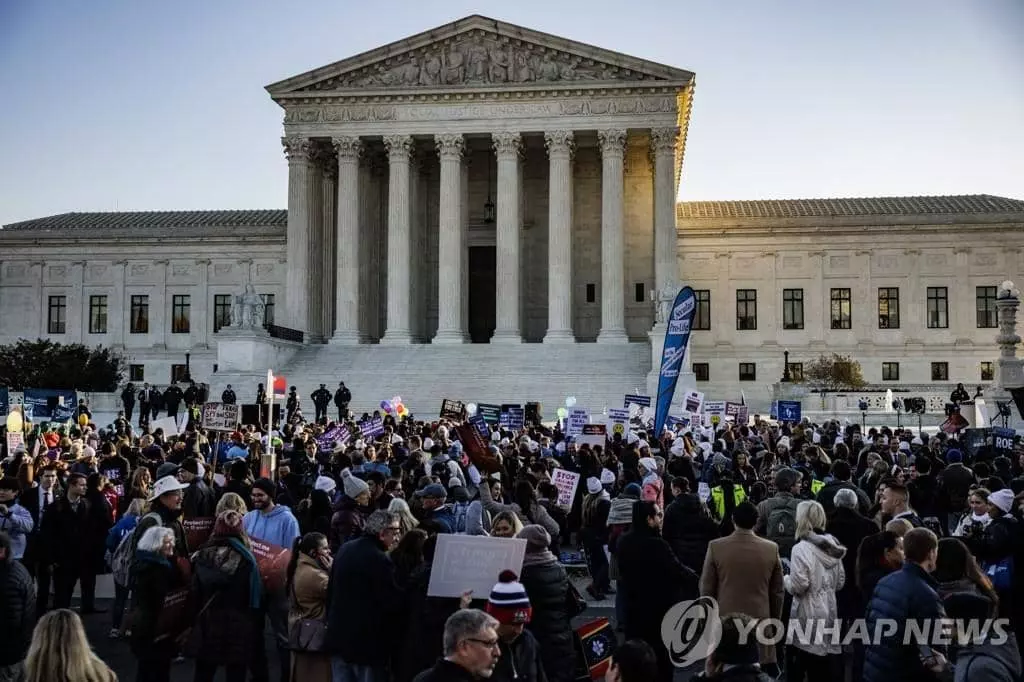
(353, 486)
(1003, 499)
(593, 485)
(326, 484)
(607, 477)
(428, 443)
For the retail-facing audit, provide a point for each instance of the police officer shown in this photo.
(321, 398)
(291, 406)
(172, 399)
(228, 396)
(342, 397)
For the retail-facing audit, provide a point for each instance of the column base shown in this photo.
(449, 336)
(612, 336)
(559, 336)
(507, 336)
(402, 337)
(347, 338)
(316, 338)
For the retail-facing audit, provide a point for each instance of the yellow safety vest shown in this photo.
(718, 498)
(816, 486)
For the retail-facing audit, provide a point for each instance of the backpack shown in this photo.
(781, 527)
(124, 556)
(459, 511)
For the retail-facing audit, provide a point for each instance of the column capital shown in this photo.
(664, 140)
(612, 140)
(507, 144)
(399, 147)
(559, 142)
(347, 147)
(298, 149)
(450, 145)
(325, 161)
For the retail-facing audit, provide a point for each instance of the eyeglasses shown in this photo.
(488, 643)
(393, 529)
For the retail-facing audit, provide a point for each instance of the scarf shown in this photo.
(539, 558)
(255, 581)
(984, 518)
(152, 558)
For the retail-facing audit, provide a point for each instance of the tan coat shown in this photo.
(744, 574)
(308, 599)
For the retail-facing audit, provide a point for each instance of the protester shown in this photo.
(776, 516)
(471, 649)
(735, 658)
(17, 612)
(60, 651)
(153, 577)
(15, 520)
(121, 532)
(67, 534)
(553, 601)
(308, 575)
(519, 657)
(688, 530)
(351, 510)
(849, 529)
(594, 536)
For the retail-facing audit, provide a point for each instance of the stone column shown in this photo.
(296, 308)
(506, 149)
(328, 268)
(666, 268)
(559, 144)
(76, 314)
(347, 246)
(613, 246)
(399, 328)
(119, 302)
(314, 252)
(450, 242)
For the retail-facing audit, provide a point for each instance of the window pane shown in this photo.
(639, 292)
(841, 317)
(56, 323)
(985, 305)
(796, 371)
(748, 371)
(97, 314)
(746, 309)
(987, 371)
(181, 314)
(136, 372)
(702, 316)
(268, 309)
(890, 371)
(888, 308)
(702, 371)
(938, 308)
(792, 308)
(940, 371)
(140, 315)
(221, 311)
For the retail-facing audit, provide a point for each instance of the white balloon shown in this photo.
(570, 401)
(470, 409)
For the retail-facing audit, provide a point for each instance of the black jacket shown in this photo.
(35, 549)
(342, 397)
(67, 532)
(228, 397)
(547, 586)
(363, 601)
(688, 531)
(199, 500)
(826, 497)
(446, 671)
(954, 484)
(172, 398)
(321, 397)
(17, 611)
(520, 661)
(850, 528)
(423, 627)
(151, 581)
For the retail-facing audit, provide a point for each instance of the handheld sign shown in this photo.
(789, 411)
(220, 417)
(472, 562)
(452, 409)
(566, 481)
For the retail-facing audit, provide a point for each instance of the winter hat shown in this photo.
(1003, 499)
(607, 477)
(191, 465)
(354, 487)
(167, 469)
(433, 490)
(954, 456)
(720, 460)
(633, 491)
(428, 443)
(508, 602)
(649, 464)
(537, 537)
(228, 524)
(904, 446)
(593, 485)
(264, 484)
(917, 441)
(325, 484)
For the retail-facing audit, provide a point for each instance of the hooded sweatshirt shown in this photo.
(278, 527)
(816, 573)
(988, 662)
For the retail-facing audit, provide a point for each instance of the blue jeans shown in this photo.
(351, 672)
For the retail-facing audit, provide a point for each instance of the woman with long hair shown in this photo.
(878, 556)
(60, 651)
(228, 591)
(231, 502)
(524, 505)
(406, 520)
(139, 487)
(314, 513)
(506, 525)
(154, 575)
(308, 574)
(408, 554)
(957, 571)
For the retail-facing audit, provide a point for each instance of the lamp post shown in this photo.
(786, 378)
(188, 371)
(863, 406)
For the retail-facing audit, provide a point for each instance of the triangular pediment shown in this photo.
(477, 52)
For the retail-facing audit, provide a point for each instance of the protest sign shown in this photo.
(14, 439)
(168, 424)
(704, 492)
(618, 421)
(371, 428)
(672, 422)
(183, 421)
(452, 409)
(472, 562)
(773, 413)
(481, 426)
(566, 481)
(789, 411)
(490, 413)
(197, 531)
(593, 434)
(175, 615)
(577, 418)
(693, 401)
(715, 408)
(1002, 441)
(516, 416)
(272, 561)
(732, 409)
(743, 415)
(476, 448)
(220, 417)
(332, 437)
(641, 400)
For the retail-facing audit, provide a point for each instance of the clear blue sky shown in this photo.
(139, 104)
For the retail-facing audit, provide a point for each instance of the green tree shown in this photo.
(45, 364)
(830, 373)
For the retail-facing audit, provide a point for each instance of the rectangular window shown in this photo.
(268, 309)
(746, 309)
(702, 316)
(136, 372)
(938, 308)
(638, 292)
(97, 314)
(888, 308)
(988, 371)
(792, 308)
(796, 371)
(841, 314)
(58, 315)
(181, 313)
(748, 371)
(985, 304)
(179, 374)
(221, 311)
(591, 292)
(890, 371)
(702, 371)
(940, 371)
(140, 315)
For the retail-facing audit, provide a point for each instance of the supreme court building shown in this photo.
(482, 211)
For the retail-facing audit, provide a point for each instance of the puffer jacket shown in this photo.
(909, 593)
(816, 572)
(547, 586)
(17, 611)
(688, 530)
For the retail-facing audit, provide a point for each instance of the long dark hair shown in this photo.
(526, 497)
(307, 544)
(872, 549)
(409, 552)
(955, 562)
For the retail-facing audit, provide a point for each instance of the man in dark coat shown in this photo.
(321, 398)
(228, 396)
(291, 405)
(128, 400)
(36, 500)
(199, 500)
(363, 582)
(17, 612)
(193, 395)
(146, 395)
(342, 397)
(653, 581)
(841, 481)
(66, 528)
(849, 527)
(909, 593)
(172, 400)
(688, 530)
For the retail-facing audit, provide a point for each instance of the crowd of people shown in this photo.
(803, 523)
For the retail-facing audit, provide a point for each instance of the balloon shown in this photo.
(385, 405)
(399, 408)
(14, 420)
(82, 419)
(570, 401)
(470, 409)
(562, 412)
(403, 411)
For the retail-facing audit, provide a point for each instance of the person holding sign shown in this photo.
(154, 575)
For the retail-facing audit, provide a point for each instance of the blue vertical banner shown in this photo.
(676, 337)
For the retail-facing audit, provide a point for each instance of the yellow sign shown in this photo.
(14, 420)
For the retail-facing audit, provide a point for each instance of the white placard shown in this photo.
(692, 402)
(618, 421)
(566, 481)
(168, 424)
(577, 418)
(219, 417)
(472, 562)
(704, 492)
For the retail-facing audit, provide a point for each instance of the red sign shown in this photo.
(280, 387)
(197, 531)
(272, 560)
